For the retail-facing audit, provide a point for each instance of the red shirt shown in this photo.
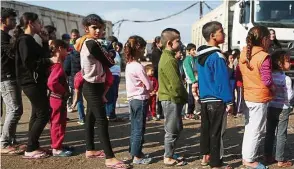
(79, 80)
(154, 83)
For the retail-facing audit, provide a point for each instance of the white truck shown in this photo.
(63, 21)
(237, 17)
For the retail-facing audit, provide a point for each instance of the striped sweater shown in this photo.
(171, 87)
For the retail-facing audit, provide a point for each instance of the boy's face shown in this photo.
(219, 36)
(9, 22)
(175, 44)
(95, 31)
(178, 55)
(192, 52)
(75, 36)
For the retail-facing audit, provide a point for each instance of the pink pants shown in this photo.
(58, 122)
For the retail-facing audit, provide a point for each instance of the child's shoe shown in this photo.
(81, 122)
(61, 153)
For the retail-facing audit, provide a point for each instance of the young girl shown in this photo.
(58, 95)
(32, 64)
(153, 94)
(93, 60)
(279, 110)
(138, 88)
(231, 70)
(255, 67)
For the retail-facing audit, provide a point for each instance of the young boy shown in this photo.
(172, 94)
(189, 69)
(153, 94)
(215, 93)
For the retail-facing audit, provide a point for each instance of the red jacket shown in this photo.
(154, 83)
(57, 80)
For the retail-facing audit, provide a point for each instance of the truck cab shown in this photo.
(277, 15)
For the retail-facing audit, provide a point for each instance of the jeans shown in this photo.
(112, 96)
(173, 125)
(37, 94)
(255, 127)
(11, 94)
(96, 114)
(277, 120)
(138, 110)
(80, 106)
(213, 123)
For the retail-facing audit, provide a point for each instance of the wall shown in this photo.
(63, 21)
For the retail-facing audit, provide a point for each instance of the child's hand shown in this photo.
(104, 99)
(195, 91)
(74, 104)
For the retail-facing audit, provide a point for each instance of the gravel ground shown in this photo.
(188, 144)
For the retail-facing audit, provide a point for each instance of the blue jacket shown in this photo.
(213, 77)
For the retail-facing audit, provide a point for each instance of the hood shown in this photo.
(80, 42)
(255, 50)
(203, 52)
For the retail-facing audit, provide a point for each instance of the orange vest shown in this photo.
(254, 88)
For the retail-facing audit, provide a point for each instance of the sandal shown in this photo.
(10, 150)
(269, 160)
(176, 163)
(285, 164)
(119, 165)
(37, 155)
(98, 154)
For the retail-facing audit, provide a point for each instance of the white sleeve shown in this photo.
(289, 87)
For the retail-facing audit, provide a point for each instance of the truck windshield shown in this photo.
(274, 13)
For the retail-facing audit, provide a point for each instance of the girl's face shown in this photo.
(36, 26)
(61, 53)
(286, 66)
(231, 59)
(150, 72)
(272, 35)
(96, 31)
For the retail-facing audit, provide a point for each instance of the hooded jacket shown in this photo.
(213, 76)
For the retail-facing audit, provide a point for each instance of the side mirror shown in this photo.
(242, 12)
(291, 46)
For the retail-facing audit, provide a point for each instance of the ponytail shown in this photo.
(249, 50)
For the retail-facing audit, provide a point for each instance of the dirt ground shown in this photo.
(188, 144)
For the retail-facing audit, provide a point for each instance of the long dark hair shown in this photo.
(275, 41)
(156, 41)
(23, 23)
(255, 38)
(132, 47)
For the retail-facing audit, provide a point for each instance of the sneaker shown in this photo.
(144, 161)
(81, 122)
(155, 119)
(69, 110)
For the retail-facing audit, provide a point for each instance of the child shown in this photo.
(279, 110)
(215, 94)
(172, 94)
(138, 88)
(58, 95)
(231, 71)
(153, 94)
(255, 67)
(93, 56)
(239, 84)
(188, 65)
